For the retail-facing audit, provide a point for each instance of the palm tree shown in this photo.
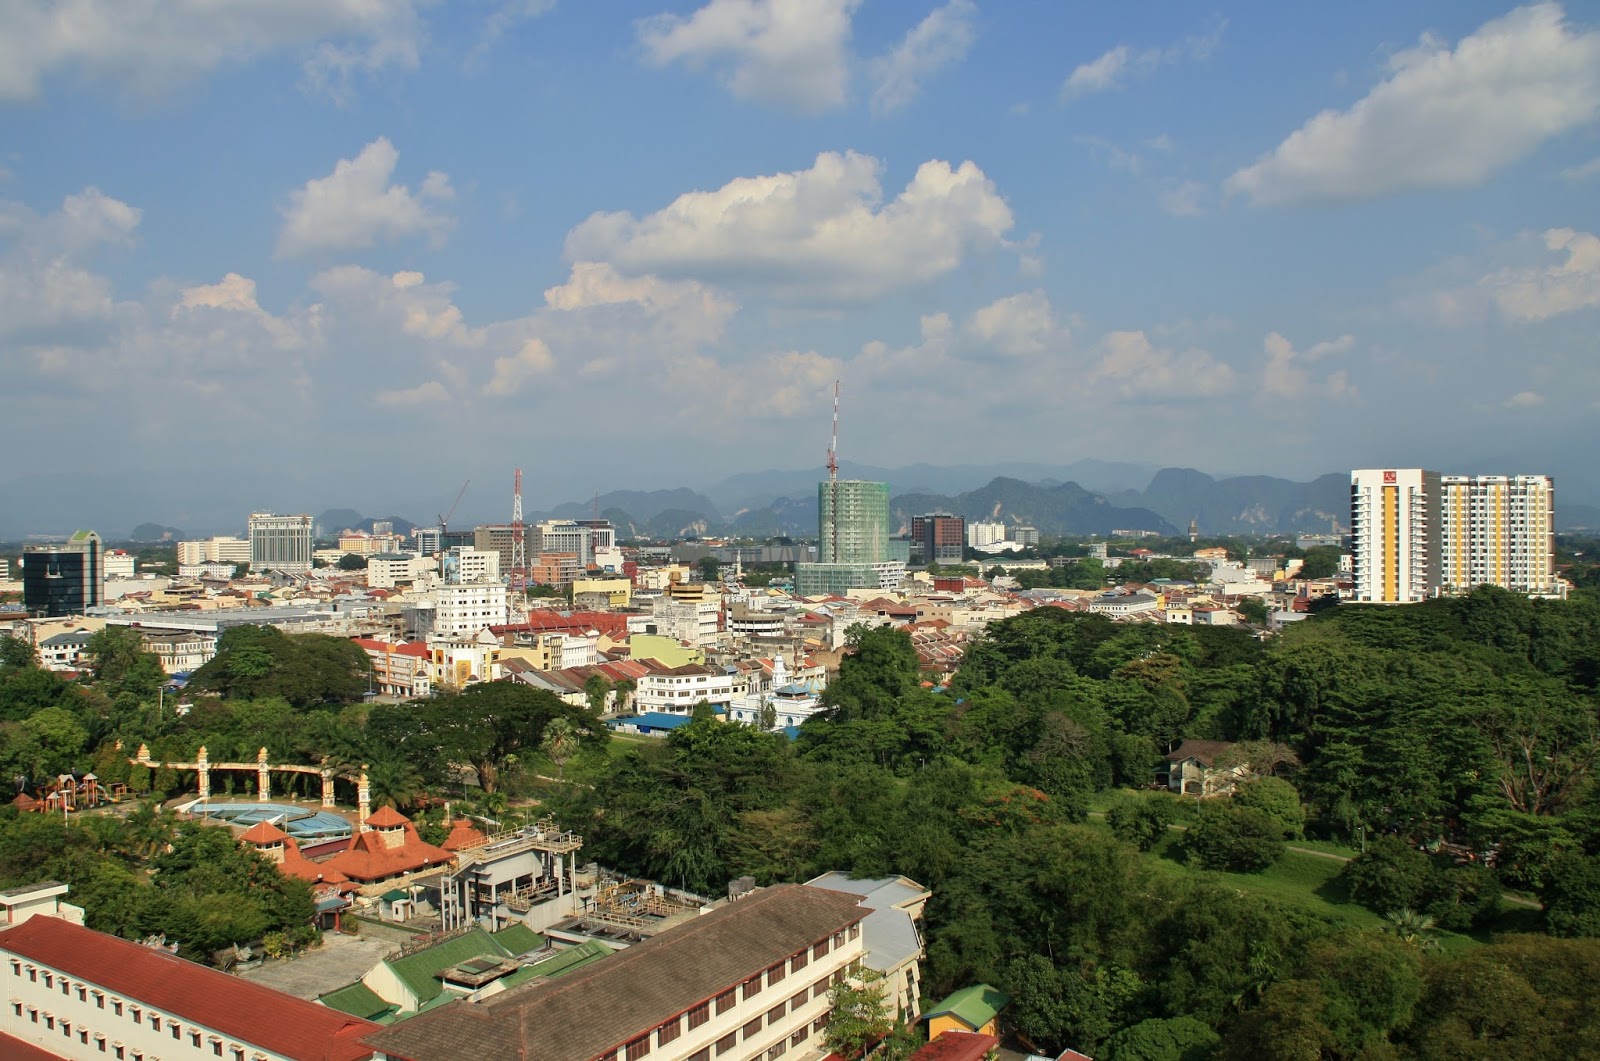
(393, 783)
(559, 742)
(1412, 927)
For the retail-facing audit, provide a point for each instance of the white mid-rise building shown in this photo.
(676, 690)
(1499, 530)
(280, 543)
(467, 607)
(466, 563)
(220, 550)
(1395, 526)
(981, 534)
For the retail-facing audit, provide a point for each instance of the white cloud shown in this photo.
(790, 52)
(430, 393)
(1287, 376)
(45, 281)
(1122, 63)
(1523, 400)
(1443, 118)
(153, 46)
(1137, 369)
(1184, 199)
(506, 15)
(821, 235)
(1582, 172)
(511, 372)
(1536, 293)
(1018, 326)
(355, 206)
(938, 41)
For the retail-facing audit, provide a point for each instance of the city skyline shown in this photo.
(312, 251)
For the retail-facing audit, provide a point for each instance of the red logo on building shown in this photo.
(1389, 477)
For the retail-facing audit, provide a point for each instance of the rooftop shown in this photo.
(586, 1013)
(225, 1004)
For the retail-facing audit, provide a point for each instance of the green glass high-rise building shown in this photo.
(59, 580)
(852, 521)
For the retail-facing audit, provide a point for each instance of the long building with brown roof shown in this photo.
(744, 980)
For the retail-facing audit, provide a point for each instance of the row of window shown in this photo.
(198, 1039)
(670, 1031)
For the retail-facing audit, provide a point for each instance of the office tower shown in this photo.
(63, 579)
(1499, 530)
(938, 537)
(280, 543)
(1395, 527)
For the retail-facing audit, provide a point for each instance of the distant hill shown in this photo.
(335, 520)
(642, 505)
(154, 532)
(1066, 508)
(1577, 517)
(1246, 504)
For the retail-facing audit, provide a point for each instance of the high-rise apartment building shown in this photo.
(63, 579)
(938, 538)
(1499, 530)
(853, 521)
(280, 543)
(214, 551)
(1395, 526)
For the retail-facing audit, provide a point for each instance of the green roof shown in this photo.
(395, 895)
(518, 939)
(973, 1006)
(419, 971)
(356, 999)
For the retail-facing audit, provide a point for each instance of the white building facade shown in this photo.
(1395, 526)
(1499, 530)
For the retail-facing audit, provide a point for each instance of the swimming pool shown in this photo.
(302, 823)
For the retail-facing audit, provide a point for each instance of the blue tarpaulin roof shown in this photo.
(656, 720)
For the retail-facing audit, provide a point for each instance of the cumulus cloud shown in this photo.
(1018, 325)
(789, 52)
(940, 40)
(1443, 118)
(1287, 374)
(1523, 400)
(1114, 68)
(430, 393)
(356, 206)
(153, 46)
(1135, 368)
(821, 235)
(1583, 171)
(45, 279)
(511, 372)
(1536, 293)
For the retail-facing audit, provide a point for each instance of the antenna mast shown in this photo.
(833, 444)
(833, 483)
(519, 547)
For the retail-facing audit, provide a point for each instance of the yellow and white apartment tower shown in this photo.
(1396, 527)
(1499, 530)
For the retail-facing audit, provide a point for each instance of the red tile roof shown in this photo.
(386, 818)
(227, 1005)
(464, 836)
(369, 858)
(17, 1050)
(957, 1046)
(263, 833)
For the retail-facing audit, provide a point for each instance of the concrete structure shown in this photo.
(893, 934)
(1395, 526)
(117, 563)
(466, 608)
(751, 976)
(1499, 530)
(470, 564)
(66, 579)
(676, 690)
(399, 669)
(180, 651)
(985, 533)
(388, 570)
(508, 877)
(853, 521)
(76, 993)
(280, 543)
(221, 550)
(938, 538)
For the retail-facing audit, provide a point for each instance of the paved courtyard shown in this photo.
(340, 960)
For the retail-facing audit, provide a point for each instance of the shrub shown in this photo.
(1240, 839)
(1141, 822)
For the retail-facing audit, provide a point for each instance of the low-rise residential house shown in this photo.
(1122, 605)
(676, 690)
(180, 651)
(399, 668)
(1191, 769)
(972, 1009)
(64, 651)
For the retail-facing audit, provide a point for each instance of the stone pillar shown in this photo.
(327, 788)
(364, 799)
(263, 777)
(203, 769)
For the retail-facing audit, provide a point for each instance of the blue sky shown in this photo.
(315, 252)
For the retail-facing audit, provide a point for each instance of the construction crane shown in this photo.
(444, 520)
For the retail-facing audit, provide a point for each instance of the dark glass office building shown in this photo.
(63, 579)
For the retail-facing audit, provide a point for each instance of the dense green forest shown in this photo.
(1453, 743)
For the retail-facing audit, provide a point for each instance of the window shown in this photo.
(838, 940)
(49, 980)
(776, 974)
(819, 948)
(819, 988)
(238, 1052)
(138, 1014)
(777, 1051)
(116, 1006)
(33, 975)
(819, 1024)
(800, 1036)
(155, 1022)
(775, 1014)
(855, 930)
(797, 1001)
(194, 1039)
(640, 1047)
(752, 1029)
(177, 1029)
(50, 1021)
(119, 1049)
(699, 1015)
(752, 988)
(727, 1042)
(82, 993)
(66, 986)
(725, 1002)
(702, 1054)
(669, 1031)
(798, 962)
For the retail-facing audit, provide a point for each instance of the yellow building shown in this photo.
(665, 650)
(619, 591)
(972, 1009)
